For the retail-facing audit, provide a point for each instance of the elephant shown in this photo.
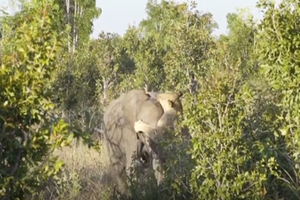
(124, 140)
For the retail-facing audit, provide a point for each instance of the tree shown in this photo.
(240, 42)
(79, 16)
(113, 64)
(146, 54)
(30, 129)
(186, 59)
(278, 51)
(233, 121)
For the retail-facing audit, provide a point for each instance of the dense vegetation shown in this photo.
(242, 100)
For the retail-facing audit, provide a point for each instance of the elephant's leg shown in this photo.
(117, 173)
(116, 165)
(132, 150)
(122, 181)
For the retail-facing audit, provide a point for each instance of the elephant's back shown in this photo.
(113, 113)
(132, 106)
(124, 110)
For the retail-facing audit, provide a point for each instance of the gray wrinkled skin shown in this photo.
(119, 135)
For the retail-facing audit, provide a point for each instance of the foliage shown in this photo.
(146, 54)
(241, 101)
(91, 74)
(241, 42)
(279, 51)
(186, 60)
(78, 15)
(30, 130)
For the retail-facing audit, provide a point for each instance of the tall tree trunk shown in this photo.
(74, 25)
(68, 22)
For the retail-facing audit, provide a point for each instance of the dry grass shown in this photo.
(79, 157)
(83, 176)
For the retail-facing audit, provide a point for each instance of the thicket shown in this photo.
(242, 100)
